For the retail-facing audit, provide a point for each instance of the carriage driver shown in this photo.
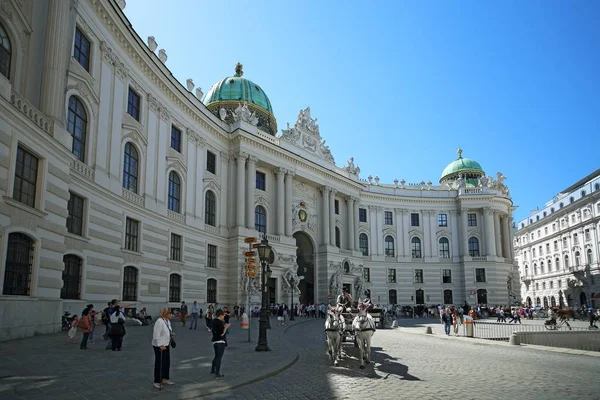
(344, 300)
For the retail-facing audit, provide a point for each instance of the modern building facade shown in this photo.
(117, 181)
(556, 248)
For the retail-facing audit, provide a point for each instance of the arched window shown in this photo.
(389, 248)
(338, 237)
(210, 208)
(77, 127)
(174, 201)
(482, 296)
(541, 267)
(590, 257)
(130, 283)
(473, 247)
(538, 302)
(577, 259)
(363, 243)
(130, 168)
(597, 186)
(19, 265)
(557, 262)
(415, 247)
(260, 219)
(175, 288)
(546, 304)
(535, 269)
(444, 248)
(211, 291)
(549, 265)
(448, 297)
(566, 261)
(5, 53)
(71, 277)
(392, 297)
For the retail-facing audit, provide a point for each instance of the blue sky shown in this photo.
(401, 85)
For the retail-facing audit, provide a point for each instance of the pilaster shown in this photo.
(280, 175)
(241, 185)
(325, 218)
(289, 182)
(332, 217)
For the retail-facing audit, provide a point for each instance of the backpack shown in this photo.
(105, 318)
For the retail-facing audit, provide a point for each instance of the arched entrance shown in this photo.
(553, 301)
(306, 267)
(482, 296)
(582, 299)
(545, 302)
(528, 301)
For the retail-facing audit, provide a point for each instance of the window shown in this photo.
(590, 256)
(5, 53)
(260, 219)
(442, 220)
(575, 239)
(446, 276)
(211, 162)
(541, 250)
(336, 207)
(77, 127)
(389, 246)
(418, 276)
(419, 296)
(583, 193)
(131, 235)
(174, 201)
(479, 274)
(367, 274)
(175, 247)
(482, 296)
(559, 283)
(75, 217)
(19, 265)
(130, 281)
(549, 265)
(553, 227)
(551, 285)
(175, 288)
(538, 233)
(545, 230)
(543, 285)
(444, 248)
(363, 242)
(391, 275)
(388, 218)
(175, 139)
(81, 50)
(261, 180)
(414, 219)
(130, 168)
(133, 104)
(210, 208)
(392, 297)
(547, 247)
(338, 237)
(415, 247)
(565, 242)
(587, 235)
(541, 267)
(557, 262)
(577, 259)
(362, 214)
(474, 247)
(471, 219)
(571, 199)
(346, 267)
(211, 291)
(25, 177)
(537, 286)
(211, 256)
(533, 253)
(71, 277)
(556, 245)
(448, 297)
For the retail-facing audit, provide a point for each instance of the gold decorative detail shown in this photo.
(302, 215)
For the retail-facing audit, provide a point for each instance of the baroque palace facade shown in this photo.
(117, 181)
(557, 247)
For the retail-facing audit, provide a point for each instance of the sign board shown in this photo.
(250, 240)
(249, 253)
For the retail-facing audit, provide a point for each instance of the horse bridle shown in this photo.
(332, 317)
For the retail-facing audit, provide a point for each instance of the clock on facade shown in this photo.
(302, 215)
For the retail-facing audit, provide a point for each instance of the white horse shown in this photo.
(334, 329)
(363, 326)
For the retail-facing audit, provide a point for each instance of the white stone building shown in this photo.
(556, 248)
(116, 181)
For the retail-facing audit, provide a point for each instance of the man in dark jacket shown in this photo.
(183, 312)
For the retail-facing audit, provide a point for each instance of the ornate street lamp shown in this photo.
(264, 254)
(292, 281)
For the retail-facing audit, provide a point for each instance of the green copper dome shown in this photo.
(236, 90)
(470, 169)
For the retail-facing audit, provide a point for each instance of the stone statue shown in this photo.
(253, 119)
(291, 278)
(461, 181)
(336, 284)
(360, 287)
(353, 169)
(222, 114)
(482, 181)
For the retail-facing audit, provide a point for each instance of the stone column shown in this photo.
(350, 211)
(405, 225)
(280, 173)
(289, 184)
(497, 233)
(241, 186)
(510, 246)
(490, 241)
(332, 217)
(426, 249)
(356, 221)
(250, 186)
(200, 167)
(454, 230)
(506, 242)
(325, 190)
(224, 175)
(465, 233)
(379, 224)
(56, 58)
(374, 237)
(400, 231)
(433, 252)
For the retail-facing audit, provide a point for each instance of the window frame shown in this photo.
(414, 219)
(211, 256)
(390, 246)
(74, 220)
(130, 286)
(367, 274)
(418, 276)
(17, 269)
(472, 219)
(174, 192)
(443, 248)
(363, 239)
(336, 207)
(473, 243)
(260, 219)
(391, 275)
(442, 220)
(131, 167)
(211, 162)
(388, 218)
(175, 286)
(71, 289)
(7, 51)
(176, 137)
(211, 292)
(448, 295)
(362, 214)
(338, 237)
(22, 178)
(132, 239)
(392, 297)
(416, 248)
(261, 181)
(77, 124)
(446, 275)
(210, 208)
(134, 104)
(480, 275)
(78, 52)
(176, 247)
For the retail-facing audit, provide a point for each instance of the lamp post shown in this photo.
(292, 281)
(264, 253)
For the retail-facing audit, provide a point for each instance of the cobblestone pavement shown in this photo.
(417, 366)
(44, 367)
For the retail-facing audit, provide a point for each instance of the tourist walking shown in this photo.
(219, 341)
(85, 327)
(455, 322)
(209, 317)
(195, 312)
(117, 329)
(93, 316)
(161, 342)
(447, 321)
(183, 312)
(73, 329)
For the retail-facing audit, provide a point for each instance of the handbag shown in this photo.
(172, 342)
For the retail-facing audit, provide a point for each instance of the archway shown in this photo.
(306, 267)
(528, 301)
(545, 302)
(582, 299)
(482, 296)
(553, 301)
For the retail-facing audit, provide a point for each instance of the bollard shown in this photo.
(244, 324)
(395, 324)
(468, 324)
(514, 339)
(428, 330)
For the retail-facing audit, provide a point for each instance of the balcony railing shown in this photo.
(32, 113)
(133, 197)
(175, 216)
(83, 169)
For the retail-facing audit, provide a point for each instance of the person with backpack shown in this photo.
(117, 329)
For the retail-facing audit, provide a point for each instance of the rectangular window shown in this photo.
(545, 230)
(472, 219)
(75, 218)
(336, 207)
(414, 219)
(539, 233)
(388, 218)
(587, 235)
(132, 232)
(418, 276)
(175, 139)
(367, 274)
(544, 285)
(559, 283)
(442, 220)
(261, 181)
(391, 275)
(547, 247)
(211, 256)
(556, 245)
(81, 49)
(362, 214)
(175, 247)
(211, 162)
(533, 252)
(26, 171)
(564, 242)
(133, 104)
(479, 274)
(551, 285)
(446, 276)
(575, 238)
(537, 286)
(553, 227)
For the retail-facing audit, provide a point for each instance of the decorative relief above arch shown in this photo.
(134, 134)
(177, 165)
(263, 201)
(444, 233)
(212, 185)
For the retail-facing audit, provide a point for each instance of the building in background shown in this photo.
(556, 248)
(117, 181)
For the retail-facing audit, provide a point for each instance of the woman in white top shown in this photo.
(161, 339)
(117, 329)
